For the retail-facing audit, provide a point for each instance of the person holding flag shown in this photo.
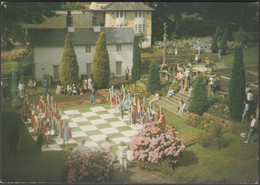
(66, 133)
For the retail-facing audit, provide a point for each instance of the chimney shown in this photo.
(69, 19)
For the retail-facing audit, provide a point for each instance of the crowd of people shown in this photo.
(73, 89)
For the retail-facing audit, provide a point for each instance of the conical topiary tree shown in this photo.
(136, 69)
(237, 83)
(241, 36)
(100, 64)
(223, 45)
(154, 81)
(199, 97)
(69, 72)
(214, 44)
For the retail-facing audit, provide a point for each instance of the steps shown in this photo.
(172, 104)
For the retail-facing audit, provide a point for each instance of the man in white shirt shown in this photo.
(252, 129)
(250, 96)
(250, 99)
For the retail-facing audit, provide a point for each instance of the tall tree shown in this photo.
(100, 64)
(237, 83)
(241, 36)
(154, 81)
(69, 72)
(214, 44)
(136, 69)
(223, 44)
(16, 13)
(199, 97)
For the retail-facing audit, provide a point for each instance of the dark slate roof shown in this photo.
(81, 36)
(128, 6)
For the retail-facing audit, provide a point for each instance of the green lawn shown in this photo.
(250, 57)
(237, 162)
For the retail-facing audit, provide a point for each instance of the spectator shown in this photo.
(247, 89)
(45, 86)
(30, 84)
(122, 107)
(90, 83)
(183, 106)
(85, 84)
(82, 145)
(181, 91)
(170, 93)
(69, 89)
(78, 87)
(190, 91)
(35, 86)
(107, 146)
(21, 89)
(74, 90)
(250, 99)
(252, 129)
(126, 73)
(122, 149)
(92, 97)
(245, 114)
(58, 90)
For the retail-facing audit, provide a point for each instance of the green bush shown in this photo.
(252, 39)
(154, 81)
(205, 140)
(241, 36)
(214, 44)
(136, 69)
(220, 142)
(237, 86)
(217, 99)
(69, 72)
(199, 97)
(100, 64)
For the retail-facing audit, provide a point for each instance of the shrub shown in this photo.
(205, 140)
(237, 85)
(223, 45)
(86, 165)
(136, 69)
(100, 64)
(157, 146)
(214, 44)
(199, 97)
(136, 90)
(154, 81)
(217, 99)
(69, 72)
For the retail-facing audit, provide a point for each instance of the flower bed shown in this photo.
(205, 121)
(157, 147)
(219, 109)
(137, 90)
(86, 165)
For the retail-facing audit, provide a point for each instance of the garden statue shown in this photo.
(176, 51)
(219, 55)
(199, 51)
(14, 89)
(164, 43)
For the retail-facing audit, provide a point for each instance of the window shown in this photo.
(139, 28)
(118, 47)
(118, 68)
(120, 14)
(88, 48)
(139, 14)
(88, 68)
(56, 71)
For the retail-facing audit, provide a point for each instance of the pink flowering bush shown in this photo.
(87, 165)
(157, 146)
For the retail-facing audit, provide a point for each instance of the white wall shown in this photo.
(147, 43)
(46, 57)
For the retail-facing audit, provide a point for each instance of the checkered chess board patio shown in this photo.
(94, 124)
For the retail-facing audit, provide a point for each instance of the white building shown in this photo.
(48, 47)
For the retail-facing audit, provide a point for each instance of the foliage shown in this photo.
(16, 13)
(157, 144)
(219, 109)
(87, 165)
(217, 99)
(136, 69)
(100, 64)
(136, 90)
(74, 6)
(165, 87)
(241, 36)
(204, 122)
(223, 45)
(154, 81)
(237, 85)
(69, 72)
(207, 140)
(141, 38)
(199, 97)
